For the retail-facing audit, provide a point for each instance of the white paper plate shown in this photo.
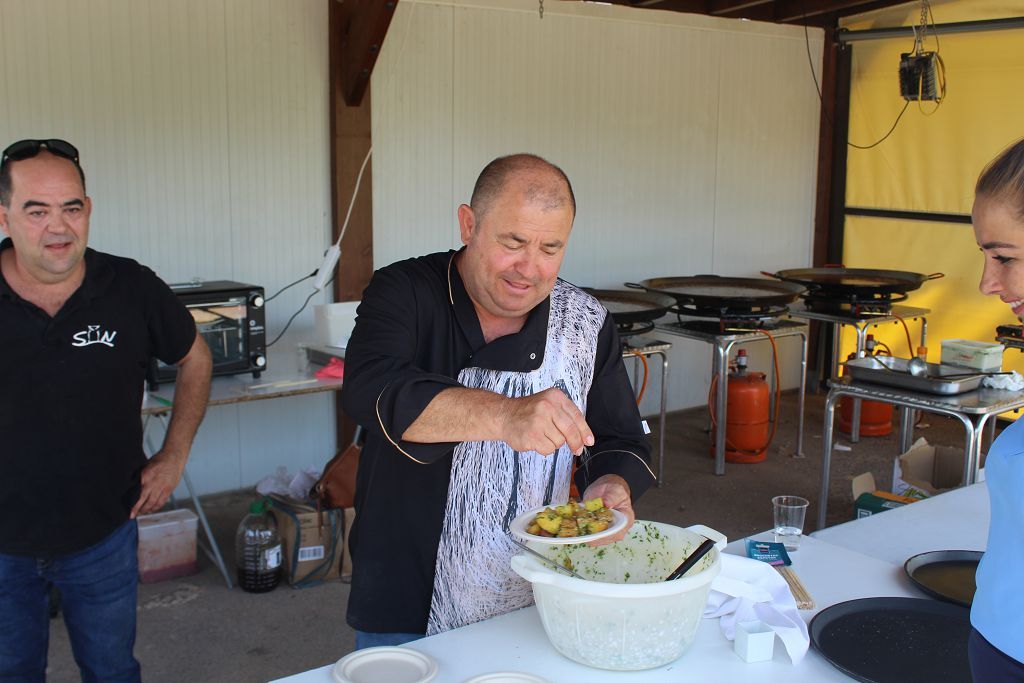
(520, 523)
(379, 664)
(506, 677)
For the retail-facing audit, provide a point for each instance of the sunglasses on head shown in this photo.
(26, 149)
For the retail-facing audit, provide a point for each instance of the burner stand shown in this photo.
(725, 320)
(628, 330)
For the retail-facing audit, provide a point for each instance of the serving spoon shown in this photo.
(917, 367)
(546, 560)
(702, 550)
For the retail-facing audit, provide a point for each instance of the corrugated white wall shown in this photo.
(203, 128)
(691, 142)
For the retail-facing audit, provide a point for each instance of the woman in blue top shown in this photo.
(997, 615)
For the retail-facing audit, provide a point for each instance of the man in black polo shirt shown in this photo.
(478, 374)
(77, 330)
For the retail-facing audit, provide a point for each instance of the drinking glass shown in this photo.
(789, 520)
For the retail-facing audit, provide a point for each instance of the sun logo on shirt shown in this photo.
(93, 335)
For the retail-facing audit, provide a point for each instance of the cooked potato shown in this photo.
(549, 520)
(569, 528)
(567, 510)
(572, 519)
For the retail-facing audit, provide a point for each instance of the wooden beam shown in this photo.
(690, 6)
(826, 149)
(350, 141)
(799, 11)
(735, 7)
(840, 137)
(360, 35)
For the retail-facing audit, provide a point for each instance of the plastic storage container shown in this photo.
(625, 616)
(167, 545)
(968, 353)
(258, 549)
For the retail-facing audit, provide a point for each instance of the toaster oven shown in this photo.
(231, 318)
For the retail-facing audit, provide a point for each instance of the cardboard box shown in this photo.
(868, 500)
(167, 545)
(311, 554)
(925, 470)
(968, 353)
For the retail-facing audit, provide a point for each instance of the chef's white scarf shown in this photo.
(491, 484)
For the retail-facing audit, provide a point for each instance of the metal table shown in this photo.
(636, 347)
(973, 409)
(722, 343)
(860, 324)
(275, 383)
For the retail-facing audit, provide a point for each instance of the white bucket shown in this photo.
(625, 616)
(333, 323)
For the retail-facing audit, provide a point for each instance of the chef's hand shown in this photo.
(543, 422)
(614, 492)
(159, 478)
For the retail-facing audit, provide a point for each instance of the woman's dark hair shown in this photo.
(1003, 178)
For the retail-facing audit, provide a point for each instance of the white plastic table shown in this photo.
(517, 642)
(954, 520)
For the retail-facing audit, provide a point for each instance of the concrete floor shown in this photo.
(194, 629)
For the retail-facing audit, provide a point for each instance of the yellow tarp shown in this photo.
(930, 164)
(959, 310)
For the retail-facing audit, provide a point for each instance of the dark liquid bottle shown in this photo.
(258, 550)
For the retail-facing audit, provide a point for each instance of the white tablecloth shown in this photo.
(517, 642)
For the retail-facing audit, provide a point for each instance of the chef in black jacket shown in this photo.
(478, 374)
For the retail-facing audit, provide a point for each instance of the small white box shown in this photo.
(333, 323)
(167, 545)
(754, 642)
(968, 353)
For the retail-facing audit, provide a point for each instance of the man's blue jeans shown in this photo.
(365, 639)
(98, 588)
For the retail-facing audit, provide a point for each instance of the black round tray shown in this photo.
(895, 640)
(945, 574)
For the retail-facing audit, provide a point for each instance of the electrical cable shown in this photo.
(824, 112)
(355, 192)
(295, 315)
(336, 247)
(940, 66)
(289, 286)
(369, 152)
(910, 343)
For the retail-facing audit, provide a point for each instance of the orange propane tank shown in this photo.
(747, 427)
(875, 416)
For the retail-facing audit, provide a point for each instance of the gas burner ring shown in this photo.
(627, 330)
(732, 315)
(864, 304)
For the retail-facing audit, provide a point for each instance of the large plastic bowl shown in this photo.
(624, 616)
